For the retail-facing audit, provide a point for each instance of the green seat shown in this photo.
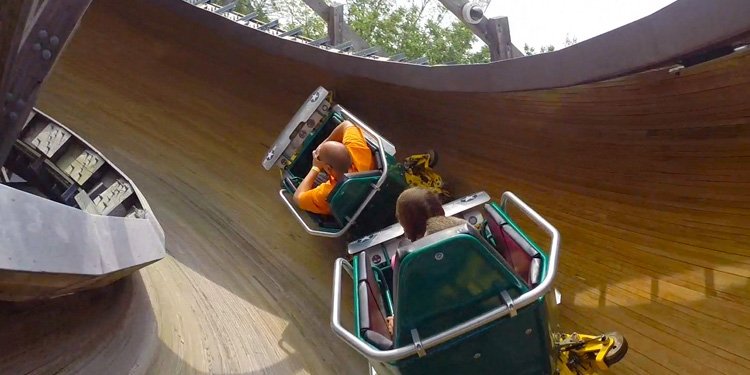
(372, 306)
(348, 195)
(303, 161)
(450, 277)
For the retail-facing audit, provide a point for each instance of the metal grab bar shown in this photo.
(554, 251)
(373, 191)
(408, 350)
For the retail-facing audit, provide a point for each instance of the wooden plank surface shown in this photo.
(647, 177)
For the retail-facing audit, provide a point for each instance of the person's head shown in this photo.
(413, 207)
(335, 156)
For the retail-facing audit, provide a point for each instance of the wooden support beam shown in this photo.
(498, 33)
(336, 24)
(292, 32)
(321, 41)
(324, 11)
(226, 8)
(26, 68)
(516, 52)
(484, 28)
(367, 52)
(344, 46)
(270, 25)
(248, 17)
(398, 57)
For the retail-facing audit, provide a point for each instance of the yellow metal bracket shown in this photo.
(585, 354)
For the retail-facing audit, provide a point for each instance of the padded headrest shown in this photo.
(375, 153)
(498, 222)
(535, 271)
(496, 217)
(525, 245)
(364, 308)
(351, 176)
(379, 341)
(367, 276)
(373, 173)
(434, 238)
(450, 268)
(372, 322)
(362, 266)
(376, 156)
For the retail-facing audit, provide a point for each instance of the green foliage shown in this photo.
(419, 28)
(569, 41)
(528, 50)
(290, 13)
(415, 28)
(260, 7)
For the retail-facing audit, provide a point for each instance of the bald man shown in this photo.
(345, 150)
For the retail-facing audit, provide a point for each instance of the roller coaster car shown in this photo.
(364, 201)
(473, 299)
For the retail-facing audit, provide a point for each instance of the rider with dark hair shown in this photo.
(420, 213)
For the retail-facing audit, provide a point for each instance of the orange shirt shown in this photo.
(314, 200)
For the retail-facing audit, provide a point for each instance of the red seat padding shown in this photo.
(513, 247)
(371, 305)
(517, 256)
(495, 224)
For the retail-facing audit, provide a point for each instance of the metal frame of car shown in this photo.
(422, 345)
(382, 143)
(395, 230)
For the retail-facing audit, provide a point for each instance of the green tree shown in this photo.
(569, 41)
(528, 50)
(415, 28)
(263, 8)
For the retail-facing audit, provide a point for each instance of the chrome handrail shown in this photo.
(392, 231)
(375, 188)
(430, 342)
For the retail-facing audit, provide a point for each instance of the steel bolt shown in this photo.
(13, 116)
(9, 97)
(36, 47)
(46, 54)
(54, 41)
(528, 331)
(43, 34)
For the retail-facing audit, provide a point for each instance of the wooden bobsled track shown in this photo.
(646, 176)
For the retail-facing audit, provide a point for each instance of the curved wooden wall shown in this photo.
(681, 29)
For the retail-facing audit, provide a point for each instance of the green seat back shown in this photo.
(453, 276)
(519, 346)
(303, 162)
(447, 280)
(349, 194)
